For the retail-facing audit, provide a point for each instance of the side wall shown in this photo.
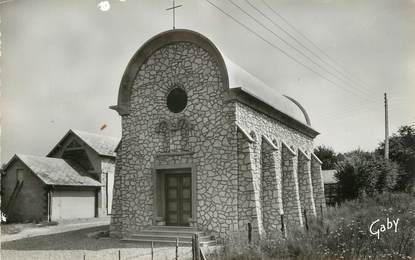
(106, 193)
(263, 126)
(30, 204)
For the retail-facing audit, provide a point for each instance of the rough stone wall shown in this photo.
(255, 158)
(247, 212)
(290, 190)
(318, 186)
(305, 185)
(117, 217)
(211, 136)
(272, 190)
(263, 125)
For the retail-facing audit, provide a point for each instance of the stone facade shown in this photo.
(318, 185)
(203, 136)
(240, 168)
(305, 185)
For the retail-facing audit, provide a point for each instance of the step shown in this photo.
(173, 242)
(151, 237)
(171, 232)
(172, 228)
(143, 240)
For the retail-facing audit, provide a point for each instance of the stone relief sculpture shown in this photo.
(174, 135)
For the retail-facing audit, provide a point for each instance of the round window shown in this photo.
(177, 100)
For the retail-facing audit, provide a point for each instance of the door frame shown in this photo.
(158, 201)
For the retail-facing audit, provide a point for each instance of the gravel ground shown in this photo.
(11, 232)
(76, 244)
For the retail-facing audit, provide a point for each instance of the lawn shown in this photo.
(76, 244)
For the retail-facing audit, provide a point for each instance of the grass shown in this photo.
(344, 233)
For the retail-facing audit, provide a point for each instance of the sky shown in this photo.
(62, 62)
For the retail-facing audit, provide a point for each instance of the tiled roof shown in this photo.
(54, 171)
(328, 176)
(102, 144)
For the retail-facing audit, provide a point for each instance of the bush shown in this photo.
(344, 233)
(363, 174)
(402, 151)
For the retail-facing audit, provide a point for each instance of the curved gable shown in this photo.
(152, 45)
(233, 77)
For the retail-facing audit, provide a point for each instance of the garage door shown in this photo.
(73, 204)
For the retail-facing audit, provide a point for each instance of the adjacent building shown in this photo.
(73, 181)
(330, 186)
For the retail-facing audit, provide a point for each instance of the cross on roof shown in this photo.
(174, 12)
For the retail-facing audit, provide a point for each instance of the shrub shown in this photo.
(402, 151)
(344, 233)
(362, 174)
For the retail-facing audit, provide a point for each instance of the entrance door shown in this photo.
(178, 199)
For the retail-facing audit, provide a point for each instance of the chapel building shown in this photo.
(205, 144)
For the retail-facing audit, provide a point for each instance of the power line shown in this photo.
(276, 47)
(281, 50)
(304, 46)
(306, 38)
(295, 48)
(355, 110)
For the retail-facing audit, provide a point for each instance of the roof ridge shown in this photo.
(97, 134)
(37, 156)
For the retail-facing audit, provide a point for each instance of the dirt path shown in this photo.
(64, 226)
(76, 244)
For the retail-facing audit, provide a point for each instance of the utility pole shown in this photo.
(386, 128)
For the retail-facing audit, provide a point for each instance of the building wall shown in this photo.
(318, 186)
(261, 125)
(107, 178)
(305, 185)
(202, 136)
(31, 202)
(102, 166)
(247, 184)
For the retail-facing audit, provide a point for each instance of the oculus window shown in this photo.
(177, 100)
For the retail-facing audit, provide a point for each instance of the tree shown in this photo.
(327, 156)
(364, 173)
(402, 151)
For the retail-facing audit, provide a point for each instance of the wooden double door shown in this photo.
(178, 192)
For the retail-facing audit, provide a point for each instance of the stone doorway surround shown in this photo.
(159, 201)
